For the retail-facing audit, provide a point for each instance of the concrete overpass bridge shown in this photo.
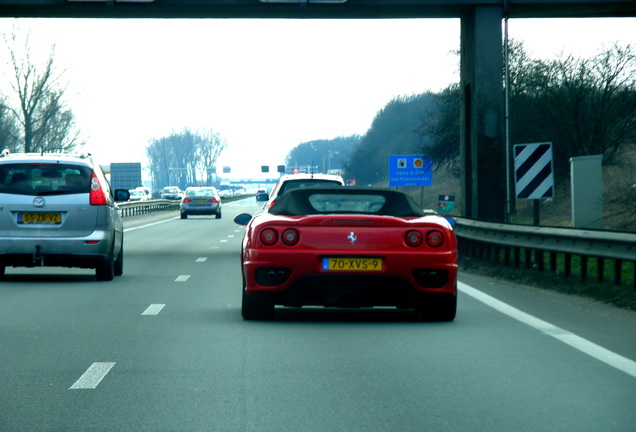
(483, 144)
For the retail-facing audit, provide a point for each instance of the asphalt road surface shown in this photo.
(164, 348)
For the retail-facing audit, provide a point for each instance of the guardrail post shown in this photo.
(600, 266)
(583, 267)
(568, 264)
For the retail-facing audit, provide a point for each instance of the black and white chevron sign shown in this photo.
(534, 177)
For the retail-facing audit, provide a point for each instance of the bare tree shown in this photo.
(46, 123)
(210, 148)
(178, 157)
(8, 127)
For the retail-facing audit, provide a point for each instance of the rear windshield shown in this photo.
(201, 192)
(330, 203)
(294, 184)
(44, 179)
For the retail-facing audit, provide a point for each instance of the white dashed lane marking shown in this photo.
(201, 259)
(93, 375)
(182, 278)
(153, 309)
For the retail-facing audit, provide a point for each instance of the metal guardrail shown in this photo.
(489, 241)
(503, 242)
(136, 208)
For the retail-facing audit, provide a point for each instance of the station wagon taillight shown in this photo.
(97, 195)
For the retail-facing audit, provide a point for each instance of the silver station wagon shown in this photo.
(58, 210)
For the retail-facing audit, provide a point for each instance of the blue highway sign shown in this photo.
(410, 170)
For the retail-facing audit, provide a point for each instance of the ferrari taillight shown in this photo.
(413, 238)
(290, 237)
(97, 196)
(269, 236)
(434, 238)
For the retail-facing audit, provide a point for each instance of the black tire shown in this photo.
(105, 270)
(218, 214)
(184, 215)
(256, 308)
(2, 271)
(441, 310)
(119, 262)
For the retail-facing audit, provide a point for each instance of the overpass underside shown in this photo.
(482, 110)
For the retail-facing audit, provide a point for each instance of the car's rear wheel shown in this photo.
(256, 308)
(105, 270)
(184, 215)
(119, 262)
(218, 214)
(1, 270)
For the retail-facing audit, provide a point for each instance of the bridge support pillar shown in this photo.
(482, 114)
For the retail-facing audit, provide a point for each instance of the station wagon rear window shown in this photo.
(44, 179)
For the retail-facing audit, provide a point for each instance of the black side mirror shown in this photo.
(243, 218)
(122, 195)
(262, 197)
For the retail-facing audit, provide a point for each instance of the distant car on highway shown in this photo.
(145, 190)
(58, 210)
(201, 201)
(225, 193)
(288, 182)
(172, 193)
(348, 247)
(138, 195)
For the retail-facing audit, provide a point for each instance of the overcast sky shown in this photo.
(265, 85)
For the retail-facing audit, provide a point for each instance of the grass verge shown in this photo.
(622, 296)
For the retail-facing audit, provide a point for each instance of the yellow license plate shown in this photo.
(35, 218)
(352, 264)
(200, 200)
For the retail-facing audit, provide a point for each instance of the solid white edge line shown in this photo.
(153, 309)
(598, 352)
(93, 375)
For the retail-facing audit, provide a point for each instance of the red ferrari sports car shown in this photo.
(348, 247)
